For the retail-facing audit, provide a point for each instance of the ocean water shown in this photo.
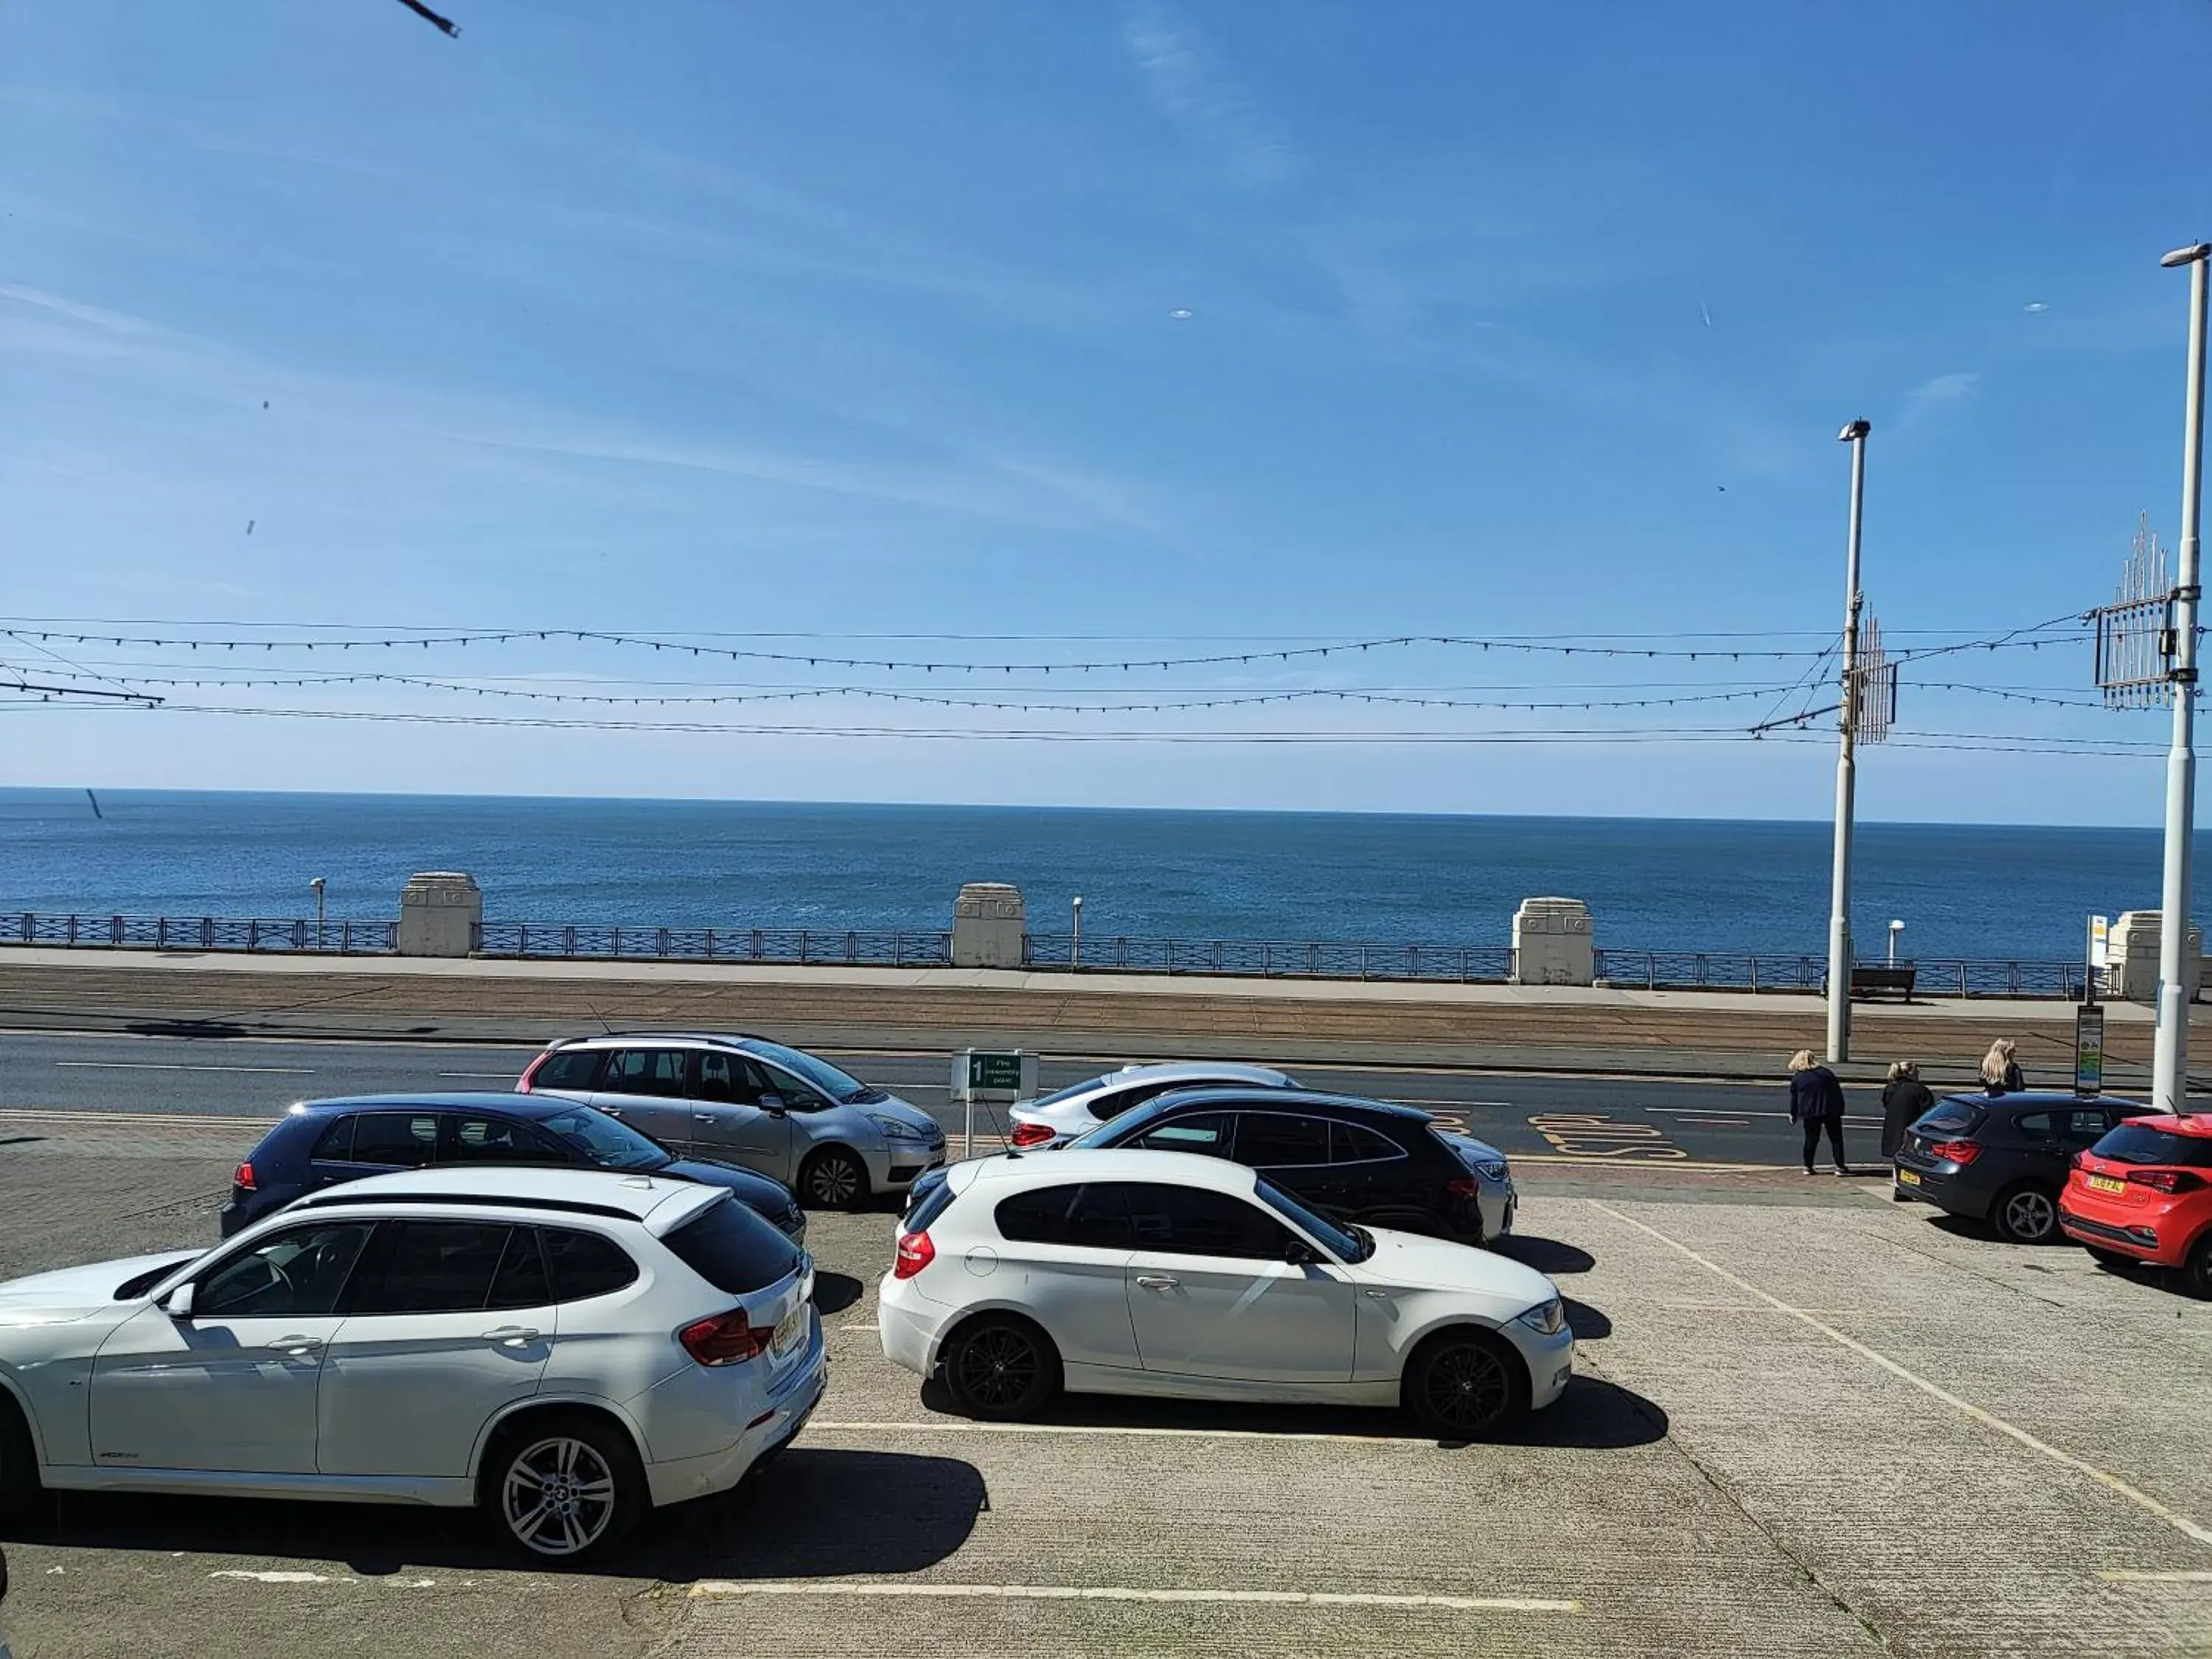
(1651, 884)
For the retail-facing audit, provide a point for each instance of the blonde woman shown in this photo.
(1904, 1098)
(2001, 1074)
(1816, 1102)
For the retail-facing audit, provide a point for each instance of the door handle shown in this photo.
(612, 1111)
(513, 1336)
(1380, 1296)
(1157, 1281)
(703, 1117)
(299, 1347)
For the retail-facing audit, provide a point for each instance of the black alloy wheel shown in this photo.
(1000, 1369)
(1465, 1385)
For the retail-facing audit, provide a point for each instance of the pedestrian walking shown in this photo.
(1816, 1102)
(2001, 1074)
(1904, 1098)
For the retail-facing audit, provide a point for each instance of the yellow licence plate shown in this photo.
(1907, 1178)
(788, 1332)
(2106, 1184)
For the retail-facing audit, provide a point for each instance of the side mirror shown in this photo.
(1299, 1253)
(178, 1304)
(773, 1103)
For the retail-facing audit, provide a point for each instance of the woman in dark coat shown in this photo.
(1816, 1101)
(1904, 1098)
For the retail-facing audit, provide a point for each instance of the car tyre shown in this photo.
(833, 1179)
(1465, 1384)
(2196, 1271)
(2025, 1214)
(564, 1489)
(20, 1491)
(1000, 1368)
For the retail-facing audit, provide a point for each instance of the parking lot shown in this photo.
(1809, 1421)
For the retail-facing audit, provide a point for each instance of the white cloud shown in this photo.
(1943, 394)
(1217, 117)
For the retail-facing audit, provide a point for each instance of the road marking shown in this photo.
(276, 1578)
(1596, 1135)
(192, 1120)
(508, 1076)
(1720, 1122)
(844, 1588)
(1397, 1100)
(2129, 1576)
(1131, 1431)
(1583, 1160)
(1746, 1111)
(170, 1065)
(2141, 1500)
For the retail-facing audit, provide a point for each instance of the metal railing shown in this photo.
(1475, 965)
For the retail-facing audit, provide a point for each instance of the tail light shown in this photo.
(724, 1339)
(916, 1252)
(1956, 1151)
(1029, 1134)
(2165, 1180)
(1463, 1187)
(242, 1177)
(522, 1083)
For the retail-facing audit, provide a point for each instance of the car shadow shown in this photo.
(834, 1292)
(1546, 1255)
(185, 1028)
(794, 1517)
(1587, 1324)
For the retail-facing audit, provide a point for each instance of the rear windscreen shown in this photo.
(2135, 1143)
(1952, 1117)
(734, 1249)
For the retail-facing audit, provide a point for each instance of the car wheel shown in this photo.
(564, 1490)
(833, 1179)
(1465, 1384)
(2196, 1271)
(19, 1491)
(1001, 1369)
(2025, 1214)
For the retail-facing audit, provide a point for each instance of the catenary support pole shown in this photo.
(2170, 1064)
(1840, 905)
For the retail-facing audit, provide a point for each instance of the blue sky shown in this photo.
(1161, 323)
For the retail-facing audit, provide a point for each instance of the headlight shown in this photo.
(893, 1129)
(1492, 1169)
(1549, 1317)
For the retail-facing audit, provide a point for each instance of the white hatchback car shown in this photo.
(1170, 1273)
(1053, 1120)
(563, 1348)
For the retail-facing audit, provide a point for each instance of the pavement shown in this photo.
(1807, 1421)
(1393, 1024)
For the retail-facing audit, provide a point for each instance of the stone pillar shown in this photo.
(1551, 943)
(2132, 976)
(440, 915)
(988, 920)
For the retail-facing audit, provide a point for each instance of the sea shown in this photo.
(1975, 890)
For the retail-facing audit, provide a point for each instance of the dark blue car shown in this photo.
(322, 1143)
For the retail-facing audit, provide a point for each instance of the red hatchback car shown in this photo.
(2144, 1193)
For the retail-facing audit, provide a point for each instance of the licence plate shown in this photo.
(2106, 1184)
(1907, 1178)
(788, 1332)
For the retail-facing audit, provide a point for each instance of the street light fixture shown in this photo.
(1839, 908)
(1895, 928)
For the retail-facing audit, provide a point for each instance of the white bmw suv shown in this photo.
(563, 1349)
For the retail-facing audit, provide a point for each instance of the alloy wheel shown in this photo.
(833, 1181)
(2030, 1214)
(1466, 1387)
(558, 1498)
(998, 1367)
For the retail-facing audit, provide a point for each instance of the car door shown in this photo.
(731, 1117)
(1292, 1151)
(232, 1384)
(2041, 1146)
(447, 1324)
(373, 1143)
(647, 1088)
(1063, 1254)
(1213, 1292)
(493, 1138)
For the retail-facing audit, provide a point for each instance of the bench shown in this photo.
(1876, 980)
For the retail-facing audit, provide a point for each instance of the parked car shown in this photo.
(322, 1143)
(2144, 1193)
(787, 1114)
(561, 1348)
(2003, 1159)
(1054, 1120)
(1146, 1273)
(1368, 1160)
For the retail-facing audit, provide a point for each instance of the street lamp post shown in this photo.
(1895, 928)
(317, 883)
(1839, 907)
(2170, 1063)
(1075, 950)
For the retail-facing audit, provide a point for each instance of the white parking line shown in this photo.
(2143, 1500)
(162, 1065)
(723, 1588)
(1120, 1431)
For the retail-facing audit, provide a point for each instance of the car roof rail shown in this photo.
(338, 1197)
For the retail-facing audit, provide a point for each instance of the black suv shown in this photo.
(2004, 1158)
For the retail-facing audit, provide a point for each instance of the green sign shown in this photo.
(989, 1073)
(2089, 1049)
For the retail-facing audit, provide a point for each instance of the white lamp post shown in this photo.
(1075, 950)
(317, 883)
(1895, 928)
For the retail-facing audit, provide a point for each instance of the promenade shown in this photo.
(1517, 1028)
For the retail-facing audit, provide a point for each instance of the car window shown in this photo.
(2138, 1143)
(824, 1077)
(2036, 1126)
(1110, 1106)
(795, 1092)
(1345, 1246)
(472, 1138)
(431, 1267)
(1193, 1221)
(586, 1264)
(522, 1280)
(606, 1141)
(1952, 1117)
(571, 1068)
(1069, 1093)
(1090, 1215)
(734, 1249)
(1354, 1143)
(405, 1140)
(1279, 1139)
(298, 1272)
(728, 1077)
(2084, 1126)
(644, 1071)
(1204, 1132)
(336, 1144)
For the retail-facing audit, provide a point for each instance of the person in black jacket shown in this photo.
(1816, 1101)
(1904, 1098)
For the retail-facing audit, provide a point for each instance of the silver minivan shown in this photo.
(831, 1137)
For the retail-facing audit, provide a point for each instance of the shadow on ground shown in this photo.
(1546, 1256)
(810, 1513)
(834, 1292)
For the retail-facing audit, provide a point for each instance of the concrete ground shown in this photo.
(1808, 1421)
